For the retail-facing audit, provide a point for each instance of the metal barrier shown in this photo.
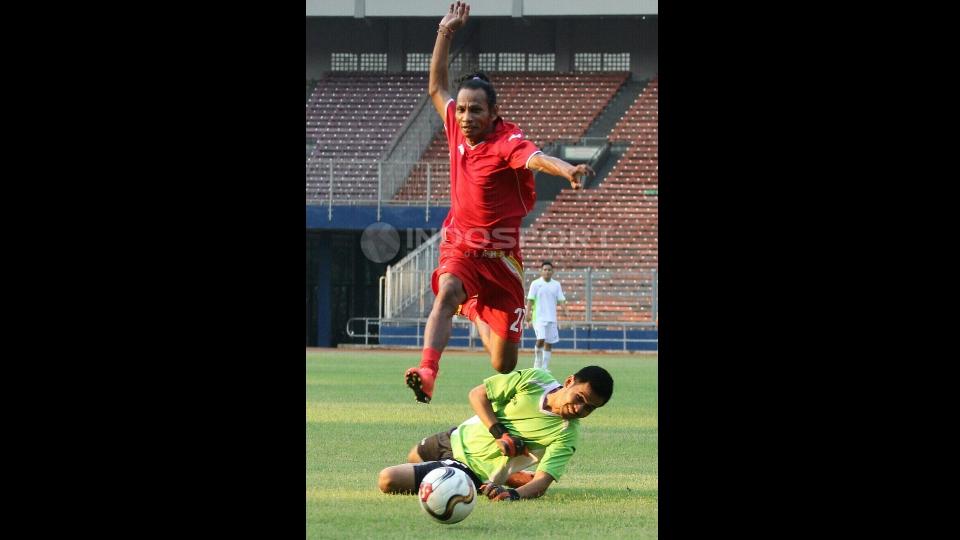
(408, 281)
(371, 183)
(593, 296)
(579, 340)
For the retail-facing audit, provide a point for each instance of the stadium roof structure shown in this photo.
(483, 8)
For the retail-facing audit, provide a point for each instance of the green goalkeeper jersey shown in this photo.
(518, 400)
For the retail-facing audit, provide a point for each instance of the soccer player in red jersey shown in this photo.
(480, 272)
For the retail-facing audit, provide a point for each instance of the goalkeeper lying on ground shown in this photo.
(523, 418)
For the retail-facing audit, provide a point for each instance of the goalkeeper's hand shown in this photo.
(510, 445)
(496, 492)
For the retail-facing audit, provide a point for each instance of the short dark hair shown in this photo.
(544, 263)
(600, 381)
(479, 80)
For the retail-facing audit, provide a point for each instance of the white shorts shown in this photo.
(547, 331)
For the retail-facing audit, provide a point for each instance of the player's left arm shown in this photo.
(562, 300)
(536, 487)
(531, 490)
(558, 167)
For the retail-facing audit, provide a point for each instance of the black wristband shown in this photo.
(497, 430)
(514, 496)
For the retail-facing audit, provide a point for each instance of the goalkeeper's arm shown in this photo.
(531, 490)
(510, 444)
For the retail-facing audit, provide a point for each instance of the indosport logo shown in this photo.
(380, 242)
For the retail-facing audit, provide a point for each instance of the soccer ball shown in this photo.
(447, 495)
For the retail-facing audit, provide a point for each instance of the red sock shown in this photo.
(430, 359)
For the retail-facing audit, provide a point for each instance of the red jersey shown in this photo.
(491, 189)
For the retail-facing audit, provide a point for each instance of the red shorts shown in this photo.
(497, 284)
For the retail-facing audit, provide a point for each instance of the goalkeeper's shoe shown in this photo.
(421, 380)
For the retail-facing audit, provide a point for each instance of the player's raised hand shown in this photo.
(576, 176)
(456, 17)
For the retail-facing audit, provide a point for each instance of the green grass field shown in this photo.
(362, 418)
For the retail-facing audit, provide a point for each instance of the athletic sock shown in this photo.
(546, 360)
(430, 359)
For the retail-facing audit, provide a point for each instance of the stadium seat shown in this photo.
(353, 117)
(617, 222)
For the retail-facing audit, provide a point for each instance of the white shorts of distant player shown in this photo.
(547, 331)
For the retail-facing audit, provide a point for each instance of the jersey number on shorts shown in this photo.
(515, 327)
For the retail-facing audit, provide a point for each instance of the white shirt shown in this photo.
(545, 295)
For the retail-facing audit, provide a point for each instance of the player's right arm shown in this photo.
(481, 405)
(455, 18)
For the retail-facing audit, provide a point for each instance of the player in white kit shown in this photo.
(545, 294)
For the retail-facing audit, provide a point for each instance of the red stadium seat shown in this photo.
(353, 117)
(617, 221)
